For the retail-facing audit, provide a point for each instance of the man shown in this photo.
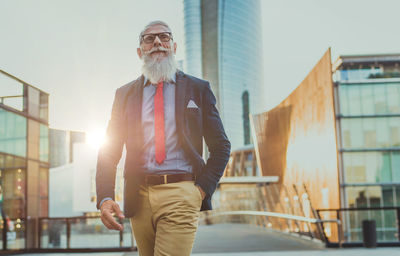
(161, 118)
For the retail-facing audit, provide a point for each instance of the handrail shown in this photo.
(361, 209)
(274, 214)
(249, 179)
(283, 216)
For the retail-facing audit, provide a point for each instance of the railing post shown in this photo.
(121, 235)
(5, 227)
(40, 233)
(322, 227)
(339, 227)
(68, 233)
(398, 222)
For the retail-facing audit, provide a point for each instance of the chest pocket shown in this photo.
(194, 120)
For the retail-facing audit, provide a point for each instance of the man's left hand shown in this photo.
(203, 194)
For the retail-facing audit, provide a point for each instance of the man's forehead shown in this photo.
(156, 29)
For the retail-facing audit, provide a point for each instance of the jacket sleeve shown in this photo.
(217, 143)
(110, 152)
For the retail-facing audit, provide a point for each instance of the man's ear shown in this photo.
(174, 48)
(139, 53)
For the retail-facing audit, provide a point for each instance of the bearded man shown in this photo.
(162, 118)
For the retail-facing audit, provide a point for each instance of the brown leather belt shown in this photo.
(150, 180)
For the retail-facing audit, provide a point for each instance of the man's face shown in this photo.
(153, 46)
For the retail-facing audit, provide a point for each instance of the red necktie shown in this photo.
(159, 135)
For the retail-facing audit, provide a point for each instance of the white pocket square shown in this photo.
(191, 104)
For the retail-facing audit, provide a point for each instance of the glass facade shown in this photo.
(24, 154)
(240, 64)
(12, 133)
(368, 107)
(192, 26)
(44, 143)
(239, 48)
(371, 98)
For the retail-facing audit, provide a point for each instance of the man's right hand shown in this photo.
(107, 209)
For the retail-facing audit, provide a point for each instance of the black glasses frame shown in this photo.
(155, 36)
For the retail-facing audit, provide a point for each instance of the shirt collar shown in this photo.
(147, 82)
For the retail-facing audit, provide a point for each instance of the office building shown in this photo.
(334, 141)
(62, 146)
(223, 43)
(24, 160)
(368, 121)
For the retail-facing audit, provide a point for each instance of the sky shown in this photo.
(80, 52)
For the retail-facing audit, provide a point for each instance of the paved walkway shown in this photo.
(245, 240)
(327, 252)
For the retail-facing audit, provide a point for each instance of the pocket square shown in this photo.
(191, 104)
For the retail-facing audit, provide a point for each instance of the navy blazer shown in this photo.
(124, 128)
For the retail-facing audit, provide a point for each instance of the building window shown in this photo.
(369, 99)
(12, 186)
(12, 133)
(371, 167)
(246, 121)
(44, 143)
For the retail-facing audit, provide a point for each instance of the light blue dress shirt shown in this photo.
(175, 160)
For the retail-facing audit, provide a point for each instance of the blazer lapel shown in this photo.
(133, 111)
(180, 99)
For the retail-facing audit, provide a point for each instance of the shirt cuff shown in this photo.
(104, 199)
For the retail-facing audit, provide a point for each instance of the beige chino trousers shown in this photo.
(167, 220)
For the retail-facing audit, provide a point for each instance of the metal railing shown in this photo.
(82, 233)
(387, 223)
(282, 216)
(13, 232)
(264, 202)
(70, 234)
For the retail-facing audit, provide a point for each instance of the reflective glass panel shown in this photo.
(395, 164)
(13, 187)
(393, 98)
(370, 167)
(354, 98)
(11, 92)
(86, 233)
(16, 233)
(44, 106)
(369, 98)
(370, 196)
(376, 132)
(54, 233)
(12, 133)
(44, 143)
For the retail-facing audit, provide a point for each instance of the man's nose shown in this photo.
(157, 41)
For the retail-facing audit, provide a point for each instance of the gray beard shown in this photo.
(157, 70)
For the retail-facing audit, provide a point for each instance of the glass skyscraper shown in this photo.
(223, 41)
(368, 108)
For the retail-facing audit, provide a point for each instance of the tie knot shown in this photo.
(160, 84)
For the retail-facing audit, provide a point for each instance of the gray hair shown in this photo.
(151, 24)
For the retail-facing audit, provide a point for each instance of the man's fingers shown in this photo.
(106, 223)
(109, 221)
(118, 211)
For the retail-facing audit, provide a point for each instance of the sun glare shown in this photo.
(95, 139)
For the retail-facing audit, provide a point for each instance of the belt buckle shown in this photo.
(165, 178)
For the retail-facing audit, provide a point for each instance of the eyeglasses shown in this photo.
(149, 38)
